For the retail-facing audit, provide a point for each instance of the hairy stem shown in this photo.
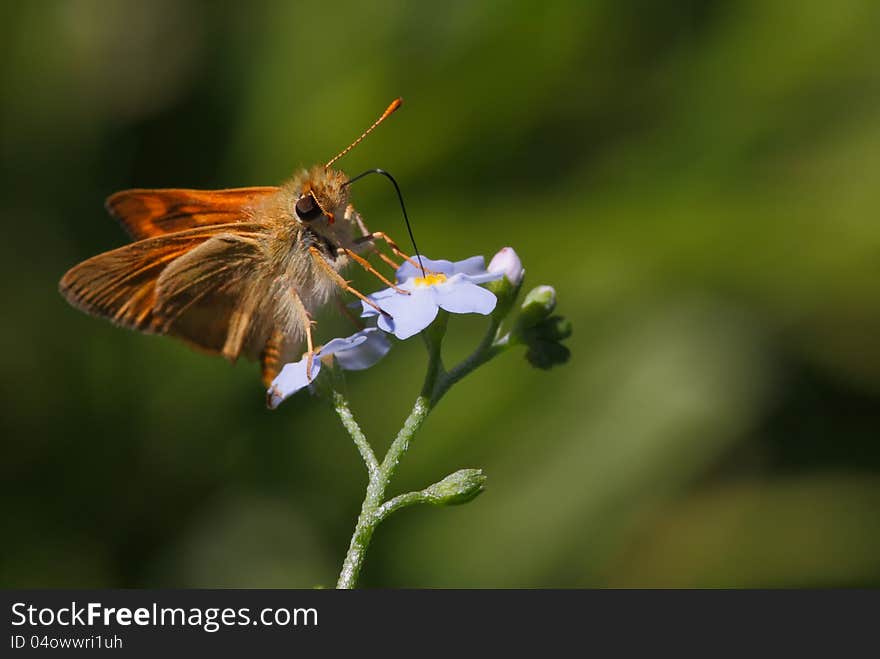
(340, 404)
(437, 383)
(398, 502)
(371, 509)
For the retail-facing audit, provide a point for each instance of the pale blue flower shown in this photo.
(453, 287)
(354, 353)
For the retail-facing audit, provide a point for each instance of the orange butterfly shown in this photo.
(231, 272)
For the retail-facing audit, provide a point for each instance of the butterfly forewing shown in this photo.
(151, 213)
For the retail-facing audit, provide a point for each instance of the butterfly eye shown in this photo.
(307, 208)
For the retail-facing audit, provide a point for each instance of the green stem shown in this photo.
(488, 348)
(370, 515)
(340, 404)
(437, 383)
(398, 502)
(371, 509)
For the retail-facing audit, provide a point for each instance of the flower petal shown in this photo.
(408, 270)
(380, 297)
(484, 277)
(373, 346)
(475, 265)
(410, 314)
(335, 346)
(459, 295)
(291, 379)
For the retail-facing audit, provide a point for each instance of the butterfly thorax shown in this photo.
(293, 243)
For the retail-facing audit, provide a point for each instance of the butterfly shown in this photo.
(233, 272)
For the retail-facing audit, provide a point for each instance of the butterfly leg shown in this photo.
(366, 236)
(352, 214)
(361, 261)
(381, 235)
(342, 282)
(307, 323)
(384, 257)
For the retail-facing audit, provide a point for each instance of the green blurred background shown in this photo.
(699, 180)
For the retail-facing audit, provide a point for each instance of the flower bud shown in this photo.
(538, 304)
(456, 488)
(507, 261)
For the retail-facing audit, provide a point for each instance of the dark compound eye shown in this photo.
(307, 208)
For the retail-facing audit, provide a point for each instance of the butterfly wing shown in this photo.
(195, 303)
(210, 295)
(151, 213)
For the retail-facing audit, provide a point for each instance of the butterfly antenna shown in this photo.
(396, 103)
(399, 197)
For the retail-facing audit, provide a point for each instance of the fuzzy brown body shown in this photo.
(233, 272)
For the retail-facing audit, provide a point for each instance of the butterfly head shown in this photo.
(321, 193)
(321, 196)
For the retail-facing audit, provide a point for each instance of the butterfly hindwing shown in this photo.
(123, 284)
(206, 296)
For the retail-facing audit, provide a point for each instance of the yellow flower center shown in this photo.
(430, 280)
